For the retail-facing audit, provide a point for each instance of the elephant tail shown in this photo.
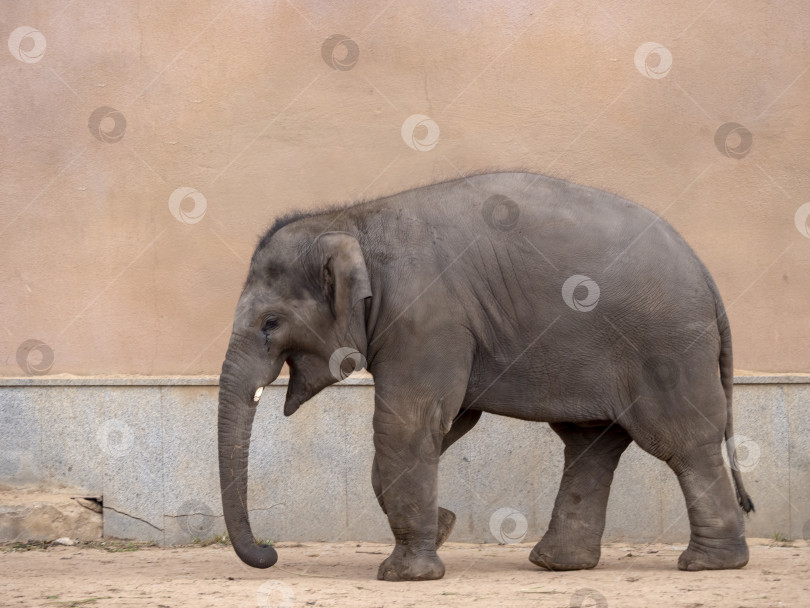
(726, 362)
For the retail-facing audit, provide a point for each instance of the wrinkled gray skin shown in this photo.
(457, 301)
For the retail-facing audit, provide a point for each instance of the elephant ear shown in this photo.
(337, 262)
(344, 277)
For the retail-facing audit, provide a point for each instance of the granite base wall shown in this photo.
(148, 447)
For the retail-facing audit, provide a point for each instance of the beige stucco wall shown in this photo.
(235, 100)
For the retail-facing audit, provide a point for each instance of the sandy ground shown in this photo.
(343, 574)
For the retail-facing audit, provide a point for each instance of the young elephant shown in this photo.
(509, 293)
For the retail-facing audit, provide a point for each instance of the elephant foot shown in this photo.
(447, 519)
(404, 566)
(563, 557)
(726, 556)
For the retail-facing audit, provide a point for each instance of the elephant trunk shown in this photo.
(235, 421)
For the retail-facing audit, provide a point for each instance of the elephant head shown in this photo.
(302, 302)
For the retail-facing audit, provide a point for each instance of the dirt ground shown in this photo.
(343, 574)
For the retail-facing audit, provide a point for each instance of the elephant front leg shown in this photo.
(447, 519)
(407, 447)
(573, 539)
(416, 403)
(409, 478)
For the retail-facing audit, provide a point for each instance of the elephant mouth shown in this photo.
(308, 376)
(292, 402)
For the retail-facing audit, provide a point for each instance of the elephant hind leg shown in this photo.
(573, 539)
(717, 539)
(447, 519)
(693, 450)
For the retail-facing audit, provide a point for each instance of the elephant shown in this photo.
(512, 293)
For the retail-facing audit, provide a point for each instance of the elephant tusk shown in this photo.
(258, 394)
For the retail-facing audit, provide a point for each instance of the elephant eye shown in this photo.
(270, 324)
